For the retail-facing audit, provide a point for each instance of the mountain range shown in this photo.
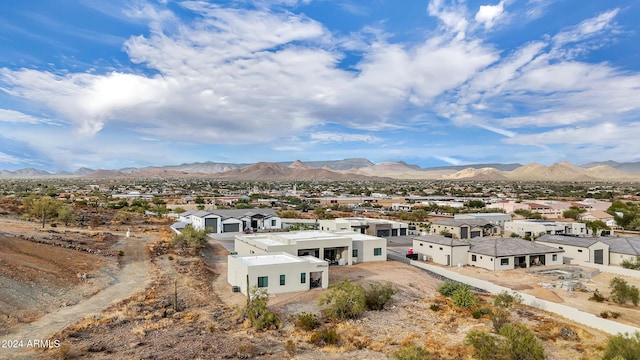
(359, 169)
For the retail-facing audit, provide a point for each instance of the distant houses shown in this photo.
(489, 253)
(230, 221)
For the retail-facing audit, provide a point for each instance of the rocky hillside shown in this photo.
(359, 169)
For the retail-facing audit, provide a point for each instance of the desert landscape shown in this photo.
(103, 295)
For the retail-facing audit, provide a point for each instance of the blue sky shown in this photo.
(113, 84)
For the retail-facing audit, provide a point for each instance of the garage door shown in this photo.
(598, 256)
(230, 227)
(383, 233)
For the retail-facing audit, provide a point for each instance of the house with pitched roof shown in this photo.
(490, 253)
(606, 250)
(583, 249)
(231, 220)
(622, 248)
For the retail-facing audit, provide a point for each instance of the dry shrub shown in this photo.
(246, 350)
(142, 328)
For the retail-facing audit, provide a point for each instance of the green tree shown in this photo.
(596, 225)
(259, 315)
(625, 347)
(65, 215)
(189, 237)
(571, 213)
(476, 204)
(344, 300)
(42, 208)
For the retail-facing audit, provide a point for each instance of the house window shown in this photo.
(282, 277)
(440, 248)
(554, 257)
(420, 244)
(354, 253)
(377, 251)
(504, 262)
(303, 278)
(273, 222)
(579, 250)
(263, 281)
(560, 247)
(473, 258)
(430, 246)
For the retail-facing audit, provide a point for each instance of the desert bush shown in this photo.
(464, 298)
(448, 287)
(521, 342)
(344, 300)
(324, 337)
(259, 315)
(412, 352)
(507, 300)
(625, 346)
(290, 347)
(486, 346)
(478, 313)
(604, 314)
(499, 318)
(378, 294)
(307, 321)
(631, 264)
(597, 297)
(621, 291)
(435, 307)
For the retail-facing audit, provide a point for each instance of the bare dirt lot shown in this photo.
(205, 321)
(527, 281)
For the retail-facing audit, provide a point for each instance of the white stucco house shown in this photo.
(490, 253)
(277, 273)
(232, 220)
(583, 249)
(374, 227)
(335, 247)
(534, 228)
(606, 250)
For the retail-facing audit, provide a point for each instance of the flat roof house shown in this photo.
(534, 228)
(488, 253)
(373, 227)
(334, 247)
(493, 218)
(277, 273)
(466, 228)
(583, 249)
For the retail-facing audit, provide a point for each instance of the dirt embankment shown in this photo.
(37, 278)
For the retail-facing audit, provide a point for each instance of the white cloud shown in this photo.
(587, 28)
(489, 15)
(344, 137)
(9, 159)
(13, 116)
(453, 17)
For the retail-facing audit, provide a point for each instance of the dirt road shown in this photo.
(133, 277)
